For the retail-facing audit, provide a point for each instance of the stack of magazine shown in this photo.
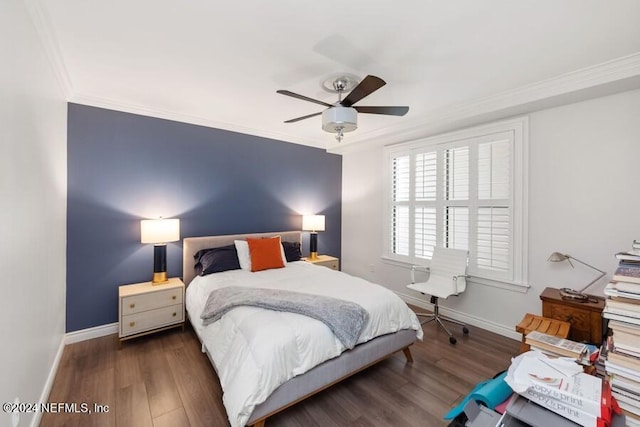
(622, 308)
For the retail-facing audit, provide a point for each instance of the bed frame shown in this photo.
(322, 376)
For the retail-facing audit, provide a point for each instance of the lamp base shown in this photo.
(577, 296)
(159, 278)
(313, 245)
(159, 264)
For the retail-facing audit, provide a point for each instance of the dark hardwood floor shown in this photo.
(164, 380)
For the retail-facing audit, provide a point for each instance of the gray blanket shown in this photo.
(345, 319)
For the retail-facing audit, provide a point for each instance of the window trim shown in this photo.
(520, 128)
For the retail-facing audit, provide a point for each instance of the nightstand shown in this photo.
(585, 317)
(325, 261)
(144, 308)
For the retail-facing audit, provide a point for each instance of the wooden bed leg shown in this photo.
(407, 354)
(259, 423)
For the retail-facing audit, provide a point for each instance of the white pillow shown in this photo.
(244, 256)
(242, 248)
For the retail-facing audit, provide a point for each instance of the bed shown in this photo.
(254, 390)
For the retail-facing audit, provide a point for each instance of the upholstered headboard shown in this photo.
(191, 245)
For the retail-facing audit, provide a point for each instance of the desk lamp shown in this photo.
(567, 293)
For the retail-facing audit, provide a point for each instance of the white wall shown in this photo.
(584, 183)
(33, 123)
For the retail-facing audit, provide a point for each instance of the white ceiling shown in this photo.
(219, 64)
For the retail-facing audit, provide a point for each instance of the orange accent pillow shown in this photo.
(265, 253)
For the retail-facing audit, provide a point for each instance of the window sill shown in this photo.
(493, 283)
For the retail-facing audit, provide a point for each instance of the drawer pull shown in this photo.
(174, 297)
(131, 305)
(175, 314)
(132, 324)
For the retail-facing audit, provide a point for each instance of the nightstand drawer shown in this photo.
(579, 319)
(325, 261)
(151, 319)
(329, 264)
(151, 300)
(333, 265)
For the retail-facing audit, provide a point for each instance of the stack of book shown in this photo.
(555, 346)
(628, 267)
(622, 308)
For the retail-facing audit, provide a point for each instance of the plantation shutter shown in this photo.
(456, 197)
(457, 194)
(400, 229)
(494, 243)
(425, 200)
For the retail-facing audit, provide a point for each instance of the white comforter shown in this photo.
(256, 350)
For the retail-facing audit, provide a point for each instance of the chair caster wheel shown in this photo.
(465, 330)
(452, 340)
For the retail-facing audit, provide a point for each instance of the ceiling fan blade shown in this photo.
(303, 117)
(389, 111)
(302, 97)
(366, 87)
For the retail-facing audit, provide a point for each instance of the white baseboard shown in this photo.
(90, 333)
(46, 390)
(506, 331)
(69, 338)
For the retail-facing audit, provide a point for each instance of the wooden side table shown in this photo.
(585, 317)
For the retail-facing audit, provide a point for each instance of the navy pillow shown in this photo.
(292, 251)
(216, 260)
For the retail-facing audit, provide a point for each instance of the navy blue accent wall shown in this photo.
(124, 167)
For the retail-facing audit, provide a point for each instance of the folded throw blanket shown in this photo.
(345, 319)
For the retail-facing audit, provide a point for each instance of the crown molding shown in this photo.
(42, 23)
(609, 77)
(40, 18)
(109, 104)
(599, 80)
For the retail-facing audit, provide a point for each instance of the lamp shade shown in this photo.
(159, 230)
(313, 222)
(558, 257)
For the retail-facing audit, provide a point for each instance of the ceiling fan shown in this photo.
(342, 116)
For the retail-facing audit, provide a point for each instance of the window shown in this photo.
(464, 190)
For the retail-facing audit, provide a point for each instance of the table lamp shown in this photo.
(313, 223)
(159, 232)
(568, 293)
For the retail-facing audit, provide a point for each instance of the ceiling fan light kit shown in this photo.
(339, 119)
(342, 117)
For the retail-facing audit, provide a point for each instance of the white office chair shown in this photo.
(447, 276)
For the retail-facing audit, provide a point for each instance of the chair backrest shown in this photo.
(448, 262)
